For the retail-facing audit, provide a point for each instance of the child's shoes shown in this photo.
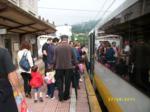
(41, 99)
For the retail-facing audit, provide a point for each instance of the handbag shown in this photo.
(24, 63)
(20, 99)
(21, 103)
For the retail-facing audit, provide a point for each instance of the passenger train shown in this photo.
(117, 94)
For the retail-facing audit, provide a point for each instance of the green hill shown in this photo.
(83, 27)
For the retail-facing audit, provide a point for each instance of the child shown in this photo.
(81, 70)
(50, 81)
(36, 83)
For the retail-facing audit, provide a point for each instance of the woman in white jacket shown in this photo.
(26, 75)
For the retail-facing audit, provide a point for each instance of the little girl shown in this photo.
(36, 83)
(50, 81)
(81, 69)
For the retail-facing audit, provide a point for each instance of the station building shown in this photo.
(19, 21)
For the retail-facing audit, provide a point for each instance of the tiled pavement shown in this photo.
(71, 105)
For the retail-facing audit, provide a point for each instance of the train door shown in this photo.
(92, 54)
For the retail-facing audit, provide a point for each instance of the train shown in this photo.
(117, 94)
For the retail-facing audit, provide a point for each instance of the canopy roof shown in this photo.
(16, 20)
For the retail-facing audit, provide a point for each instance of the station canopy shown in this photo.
(16, 20)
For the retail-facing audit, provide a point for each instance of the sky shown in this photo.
(76, 11)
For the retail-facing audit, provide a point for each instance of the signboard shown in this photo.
(3, 31)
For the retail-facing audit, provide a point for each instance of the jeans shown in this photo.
(50, 89)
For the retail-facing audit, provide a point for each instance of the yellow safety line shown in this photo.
(111, 105)
(93, 102)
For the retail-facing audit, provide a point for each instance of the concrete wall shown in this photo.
(32, 39)
(1, 41)
(15, 47)
(14, 44)
(30, 6)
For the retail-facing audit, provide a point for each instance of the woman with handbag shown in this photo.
(25, 63)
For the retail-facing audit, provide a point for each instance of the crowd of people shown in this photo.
(64, 58)
(64, 67)
(64, 64)
(132, 62)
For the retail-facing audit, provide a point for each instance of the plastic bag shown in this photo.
(21, 103)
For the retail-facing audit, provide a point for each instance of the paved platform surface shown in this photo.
(71, 105)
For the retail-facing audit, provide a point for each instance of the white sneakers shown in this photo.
(47, 96)
(52, 98)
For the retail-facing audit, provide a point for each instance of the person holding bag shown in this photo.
(9, 82)
(25, 62)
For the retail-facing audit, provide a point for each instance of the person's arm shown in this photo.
(10, 70)
(15, 82)
(54, 57)
(74, 59)
(44, 52)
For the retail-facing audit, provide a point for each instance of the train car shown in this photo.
(116, 93)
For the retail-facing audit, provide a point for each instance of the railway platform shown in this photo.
(85, 102)
(54, 105)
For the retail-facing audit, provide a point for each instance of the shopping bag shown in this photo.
(21, 102)
(24, 107)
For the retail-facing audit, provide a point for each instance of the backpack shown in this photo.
(24, 63)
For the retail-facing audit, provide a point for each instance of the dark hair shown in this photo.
(25, 45)
(82, 46)
(49, 39)
(113, 43)
(55, 40)
(34, 68)
(70, 42)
